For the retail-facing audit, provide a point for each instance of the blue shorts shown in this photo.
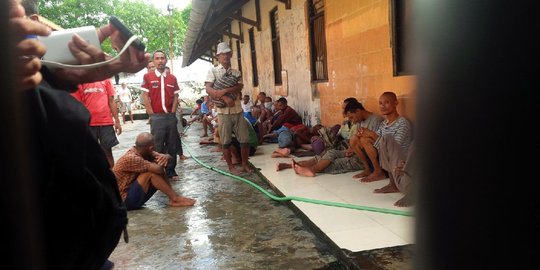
(136, 197)
(285, 139)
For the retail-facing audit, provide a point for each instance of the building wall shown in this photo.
(359, 58)
(294, 57)
(358, 36)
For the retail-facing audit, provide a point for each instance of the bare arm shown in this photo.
(147, 103)
(155, 168)
(364, 132)
(217, 94)
(174, 104)
(114, 111)
(237, 89)
(210, 90)
(131, 61)
(161, 159)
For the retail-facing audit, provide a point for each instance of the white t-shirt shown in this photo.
(124, 94)
(247, 107)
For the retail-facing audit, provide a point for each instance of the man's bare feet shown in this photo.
(390, 188)
(182, 157)
(282, 166)
(179, 201)
(275, 154)
(303, 171)
(235, 170)
(281, 152)
(404, 201)
(373, 177)
(363, 174)
(247, 169)
(284, 151)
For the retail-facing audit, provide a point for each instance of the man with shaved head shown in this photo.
(140, 172)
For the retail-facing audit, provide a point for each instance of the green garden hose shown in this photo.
(300, 199)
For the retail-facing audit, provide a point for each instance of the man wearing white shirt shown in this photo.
(125, 98)
(246, 104)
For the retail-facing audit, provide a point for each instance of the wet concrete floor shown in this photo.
(232, 225)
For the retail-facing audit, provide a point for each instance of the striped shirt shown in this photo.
(400, 129)
(218, 72)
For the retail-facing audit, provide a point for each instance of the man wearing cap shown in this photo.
(231, 119)
(160, 95)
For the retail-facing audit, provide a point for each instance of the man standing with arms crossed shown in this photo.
(231, 119)
(160, 95)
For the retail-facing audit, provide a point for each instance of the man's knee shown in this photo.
(146, 177)
(244, 145)
(364, 141)
(226, 145)
(353, 140)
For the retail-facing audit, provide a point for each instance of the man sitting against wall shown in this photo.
(335, 161)
(384, 146)
(284, 114)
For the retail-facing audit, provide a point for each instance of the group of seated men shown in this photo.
(379, 146)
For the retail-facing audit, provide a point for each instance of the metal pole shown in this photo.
(170, 8)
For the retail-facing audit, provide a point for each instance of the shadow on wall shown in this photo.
(407, 106)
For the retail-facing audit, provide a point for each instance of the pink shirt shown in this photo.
(95, 96)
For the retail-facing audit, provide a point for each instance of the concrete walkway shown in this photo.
(235, 226)
(232, 225)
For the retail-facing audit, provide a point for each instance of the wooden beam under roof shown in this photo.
(226, 13)
(243, 19)
(286, 2)
(231, 35)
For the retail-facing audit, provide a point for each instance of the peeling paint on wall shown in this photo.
(302, 95)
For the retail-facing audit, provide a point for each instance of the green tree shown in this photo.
(142, 18)
(196, 87)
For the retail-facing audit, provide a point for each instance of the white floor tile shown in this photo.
(405, 232)
(334, 219)
(351, 229)
(366, 238)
